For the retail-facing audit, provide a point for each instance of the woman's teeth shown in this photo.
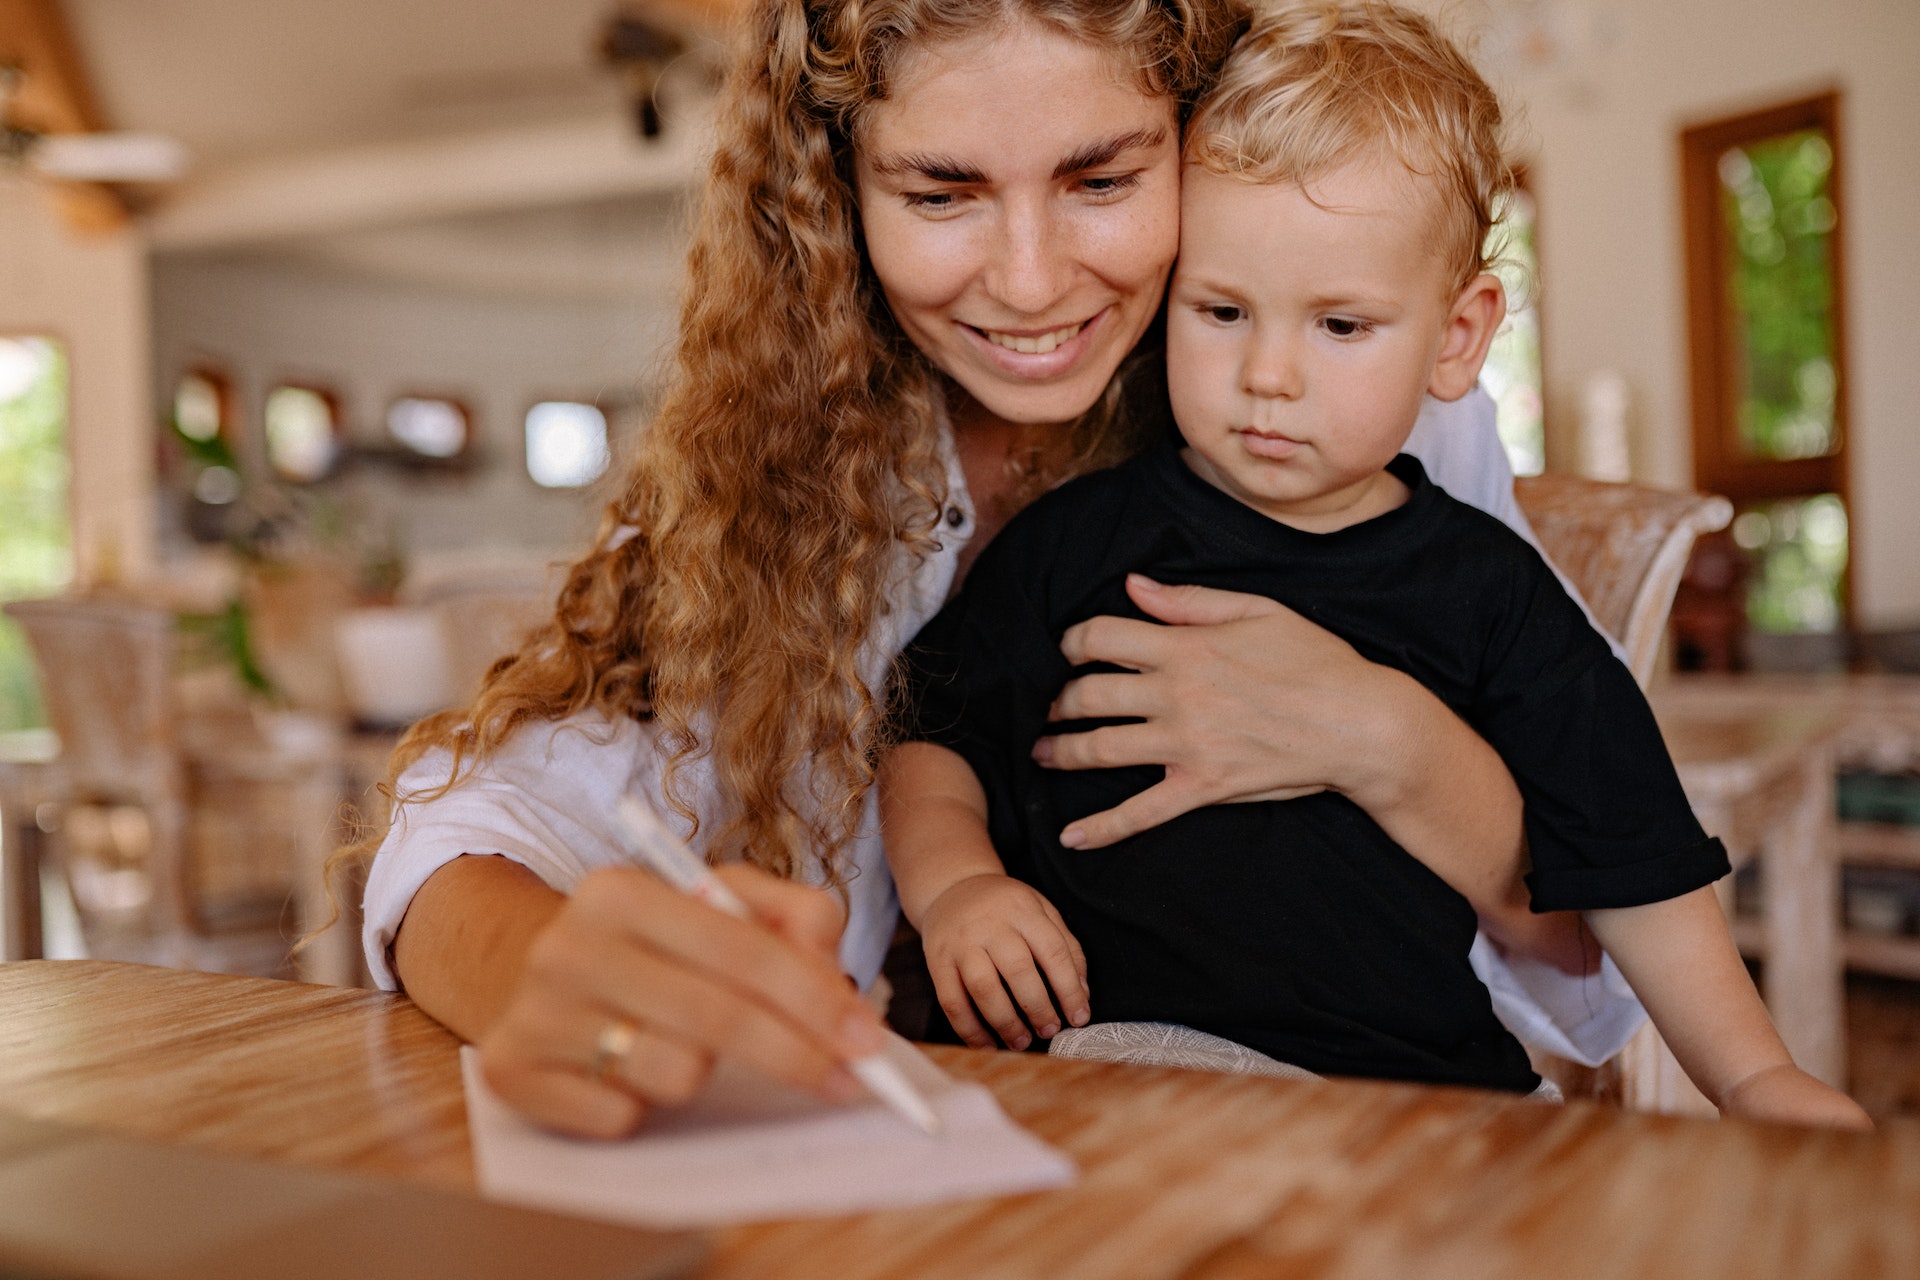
(1035, 346)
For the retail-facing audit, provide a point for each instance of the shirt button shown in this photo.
(955, 517)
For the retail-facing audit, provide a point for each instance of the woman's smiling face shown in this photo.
(1020, 195)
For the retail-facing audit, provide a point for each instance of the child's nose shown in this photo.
(1272, 369)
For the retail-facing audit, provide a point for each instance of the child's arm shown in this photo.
(1681, 960)
(981, 928)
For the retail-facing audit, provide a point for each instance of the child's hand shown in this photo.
(989, 929)
(1785, 1094)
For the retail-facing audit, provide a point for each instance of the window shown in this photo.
(203, 425)
(303, 433)
(36, 531)
(430, 427)
(1512, 374)
(202, 406)
(566, 444)
(1765, 311)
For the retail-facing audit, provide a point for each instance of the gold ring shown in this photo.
(616, 1041)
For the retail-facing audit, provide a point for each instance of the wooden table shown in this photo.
(1184, 1174)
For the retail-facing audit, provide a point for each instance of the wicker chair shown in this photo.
(183, 840)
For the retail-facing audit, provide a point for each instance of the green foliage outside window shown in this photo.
(1780, 218)
(36, 542)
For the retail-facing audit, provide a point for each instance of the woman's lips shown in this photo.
(1267, 444)
(1036, 353)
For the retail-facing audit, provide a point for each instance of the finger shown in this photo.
(1065, 965)
(1159, 803)
(991, 999)
(1022, 978)
(1109, 694)
(1127, 642)
(1109, 747)
(958, 1006)
(563, 1100)
(799, 985)
(662, 1071)
(804, 915)
(1196, 606)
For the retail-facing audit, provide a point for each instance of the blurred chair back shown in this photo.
(105, 668)
(184, 839)
(480, 628)
(1624, 547)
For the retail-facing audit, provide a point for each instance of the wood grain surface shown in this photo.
(1183, 1174)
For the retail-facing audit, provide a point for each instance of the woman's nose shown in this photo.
(1033, 267)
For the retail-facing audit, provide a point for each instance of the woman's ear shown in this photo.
(1477, 311)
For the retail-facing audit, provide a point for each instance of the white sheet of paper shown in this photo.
(749, 1150)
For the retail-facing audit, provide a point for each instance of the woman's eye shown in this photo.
(1111, 184)
(930, 201)
(1346, 326)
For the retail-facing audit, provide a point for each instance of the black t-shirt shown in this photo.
(1299, 927)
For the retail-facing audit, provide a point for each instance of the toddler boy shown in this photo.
(1340, 183)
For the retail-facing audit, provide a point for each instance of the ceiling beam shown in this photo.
(57, 98)
(398, 182)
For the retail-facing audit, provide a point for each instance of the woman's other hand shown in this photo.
(989, 940)
(628, 991)
(1241, 698)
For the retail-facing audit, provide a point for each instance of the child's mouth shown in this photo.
(1267, 444)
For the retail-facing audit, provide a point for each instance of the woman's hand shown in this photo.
(988, 935)
(1244, 699)
(625, 951)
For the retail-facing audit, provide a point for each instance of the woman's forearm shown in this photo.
(460, 950)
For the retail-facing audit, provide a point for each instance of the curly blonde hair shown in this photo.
(741, 570)
(1313, 84)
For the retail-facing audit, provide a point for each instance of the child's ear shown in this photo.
(1477, 311)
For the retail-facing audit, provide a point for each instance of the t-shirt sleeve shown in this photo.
(1607, 822)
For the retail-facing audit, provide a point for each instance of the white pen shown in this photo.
(668, 857)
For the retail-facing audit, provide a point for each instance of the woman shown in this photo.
(933, 239)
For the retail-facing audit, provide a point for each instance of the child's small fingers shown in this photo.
(1023, 979)
(990, 997)
(1065, 967)
(1074, 949)
(958, 1006)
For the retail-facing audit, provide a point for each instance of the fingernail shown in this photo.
(1021, 1041)
(1142, 581)
(1043, 751)
(1080, 1017)
(861, 1035)
(1049, 1031)
(1073, 837)
(841, 1086)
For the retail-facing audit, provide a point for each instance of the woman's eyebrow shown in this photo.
(932, 168)
(962, 173)
(1106, 151)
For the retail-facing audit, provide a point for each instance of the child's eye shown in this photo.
(1222, 312)
(1346, 326)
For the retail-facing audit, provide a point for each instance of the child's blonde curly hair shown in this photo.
(1315, 84)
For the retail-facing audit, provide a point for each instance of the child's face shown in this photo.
(1301, 335)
